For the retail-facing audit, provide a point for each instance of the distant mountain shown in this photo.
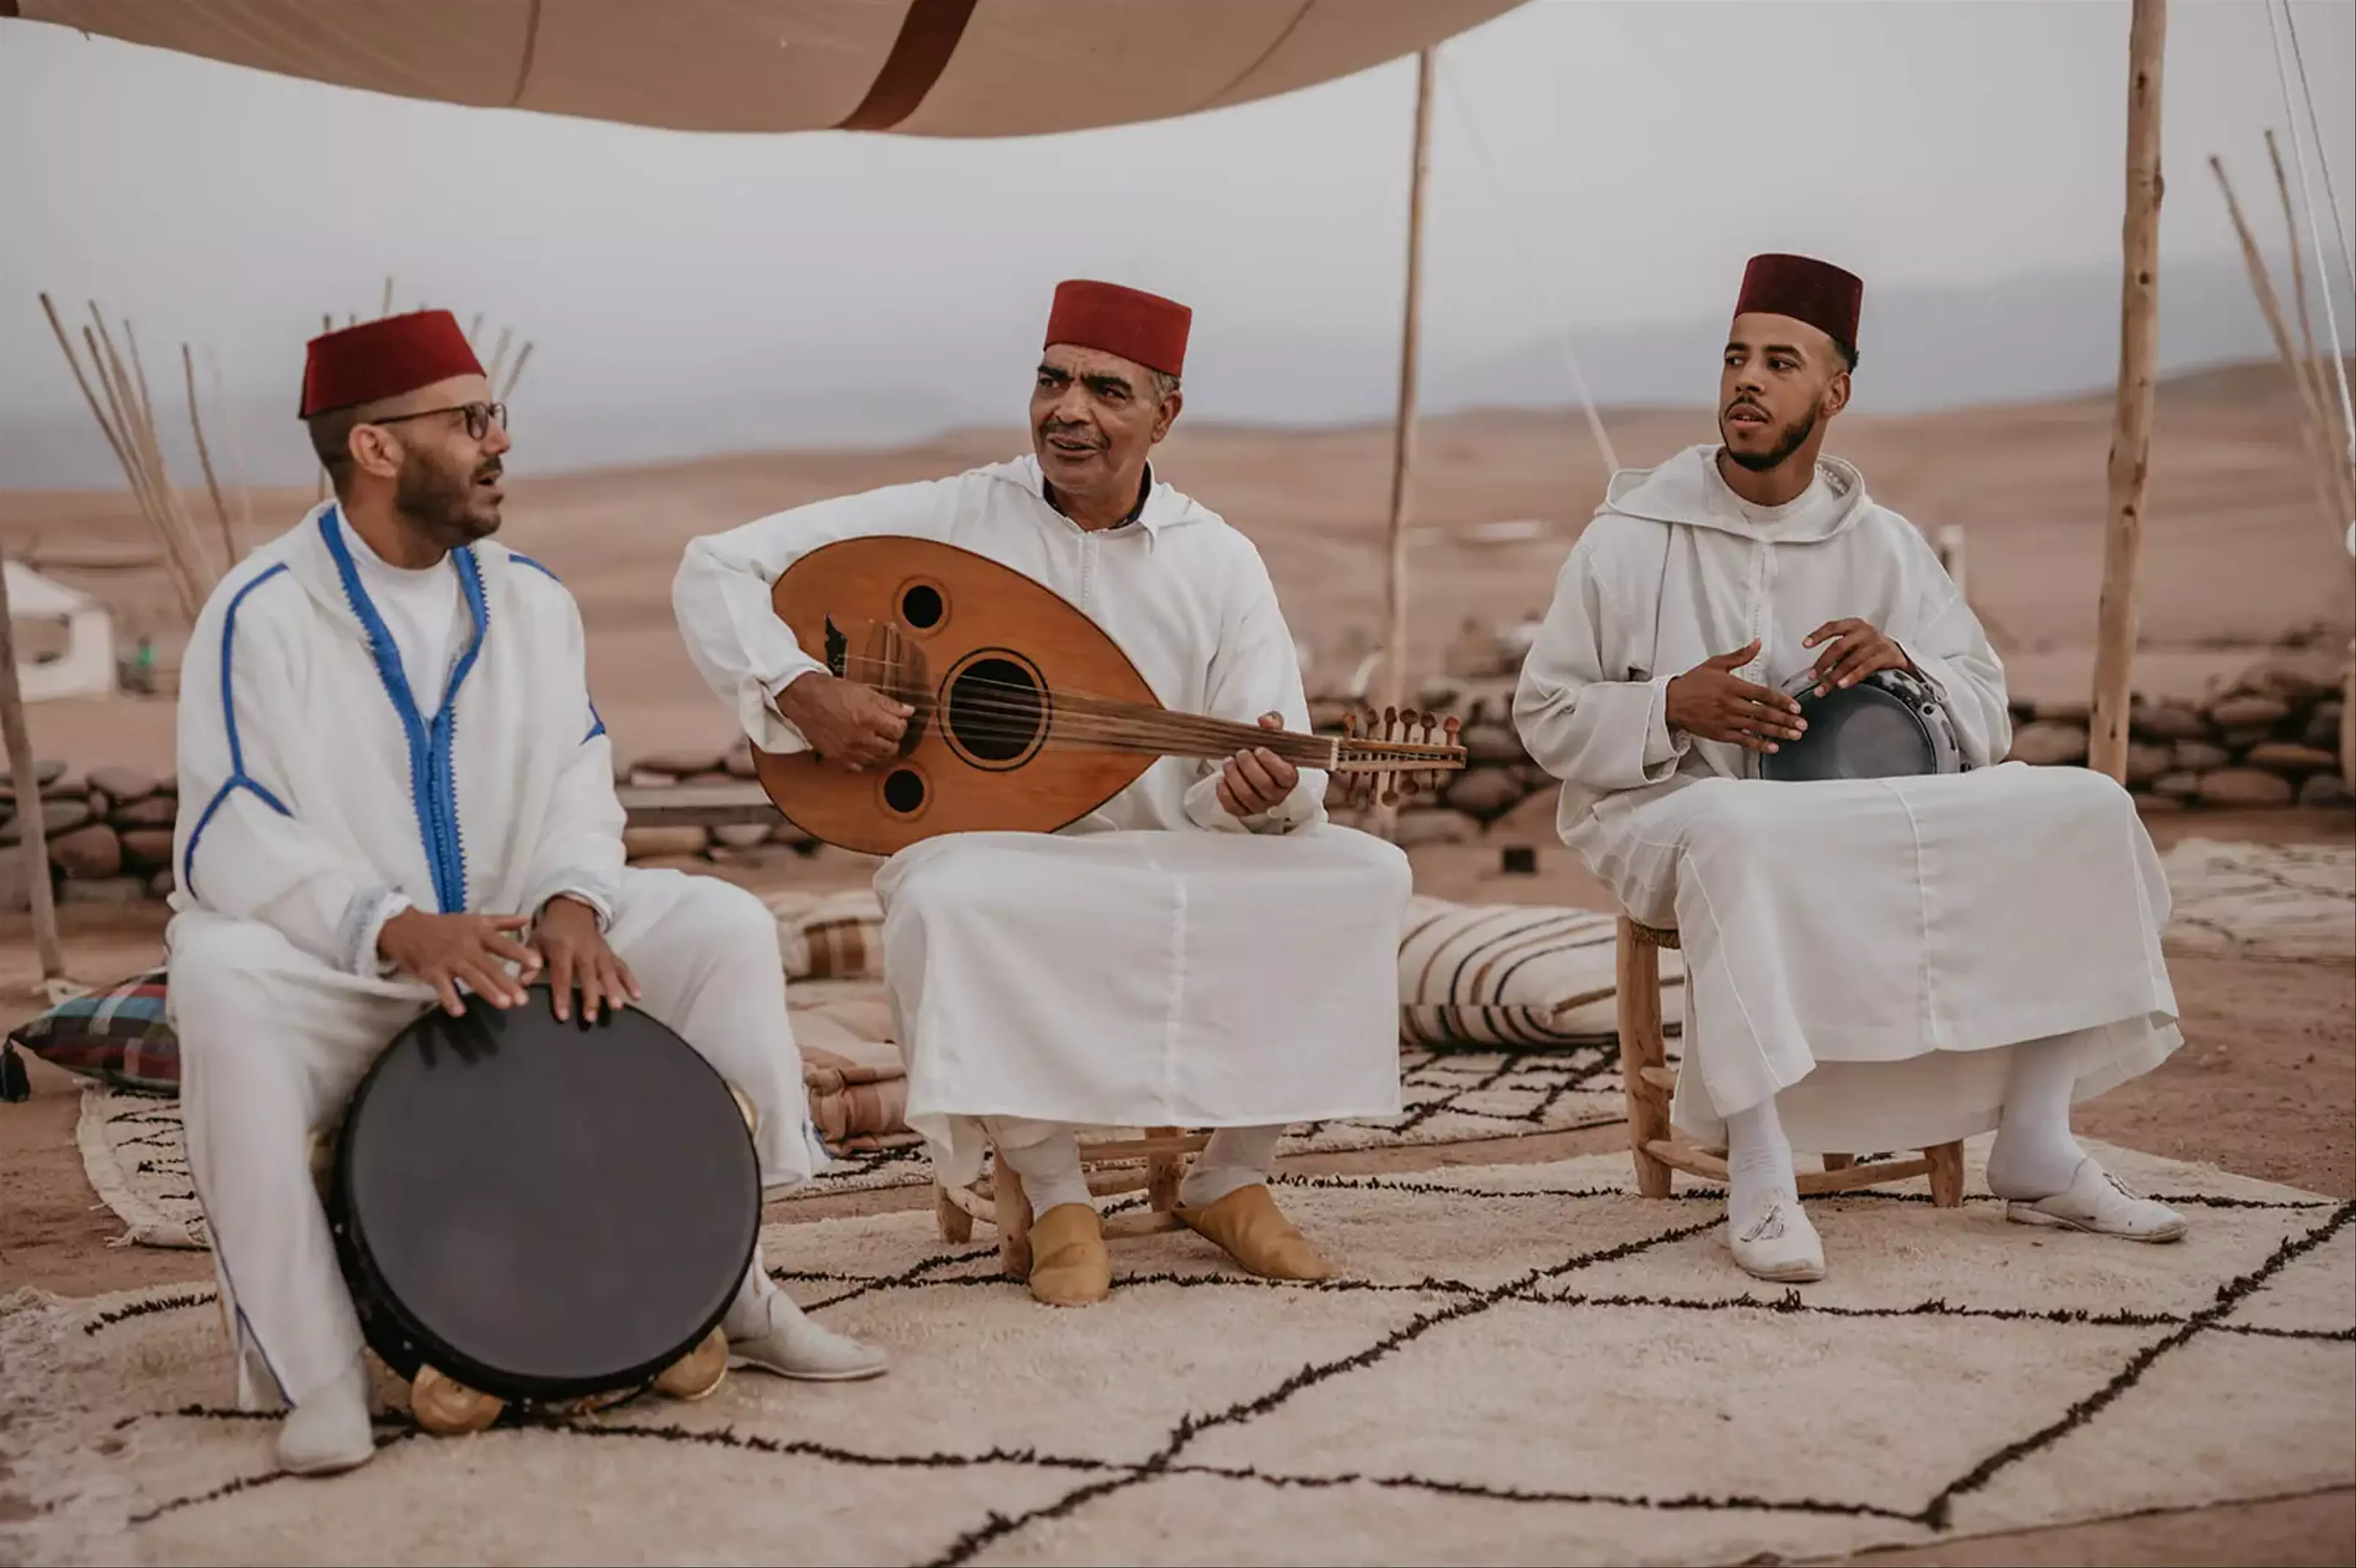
(2023, 339)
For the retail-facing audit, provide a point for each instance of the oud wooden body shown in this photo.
(926, 613)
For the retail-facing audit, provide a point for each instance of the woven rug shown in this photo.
(132, 1152)
(1523, 1363)
(2266, 900)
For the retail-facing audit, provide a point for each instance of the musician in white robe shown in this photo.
(393, 789)
(1203, 950)
(1871, 964)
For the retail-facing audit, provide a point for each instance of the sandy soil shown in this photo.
(2236, 560)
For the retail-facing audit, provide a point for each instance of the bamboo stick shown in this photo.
(176, 511)
(2131, 425)
(139, 435)
(499, 355)
(2313, 422)
(236, 452)
(1394, 582)
(386, 309)
(205, 460)
(23, 774)
(112, 377)
(2311, 368)
(516, 373)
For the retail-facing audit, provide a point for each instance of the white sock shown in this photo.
(748, 1315)
(1234, 1158)
(1050, 1170)
(1758, 1161)
(2034, 1155)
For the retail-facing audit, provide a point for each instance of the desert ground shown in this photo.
(2238, 563)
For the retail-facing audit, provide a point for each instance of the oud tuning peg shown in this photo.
(1409, 787)
(1350, 724)
(1390, 794)
(1390, 723)
(1431, 723)
(1450, 727)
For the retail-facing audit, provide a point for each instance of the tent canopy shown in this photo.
(918, 68)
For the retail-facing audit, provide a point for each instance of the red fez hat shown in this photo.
(383, 359)
(1815, 292)
(1128, 322)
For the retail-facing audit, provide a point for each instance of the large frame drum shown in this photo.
(540, 1210)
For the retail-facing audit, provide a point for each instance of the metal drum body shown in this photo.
(1888, 725)
(543, 1210)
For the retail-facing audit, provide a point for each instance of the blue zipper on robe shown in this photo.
(432, 768)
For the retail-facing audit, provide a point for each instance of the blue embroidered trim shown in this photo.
(431, 769)
(596, 720)
(237, 778)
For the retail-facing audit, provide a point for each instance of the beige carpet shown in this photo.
(132, 1152)
(2268, 900)
(1525, 1364)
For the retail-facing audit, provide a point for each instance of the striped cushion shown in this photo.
(836, 936)
(1515, 974)
(118, 1036)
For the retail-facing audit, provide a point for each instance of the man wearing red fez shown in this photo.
(1872, 962)
(394, 789)
(1143, 967)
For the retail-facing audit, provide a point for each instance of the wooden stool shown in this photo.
(1162, 1153)
(1651, 1082)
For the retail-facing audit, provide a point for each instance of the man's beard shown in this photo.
(1794, 436)
(443, 504)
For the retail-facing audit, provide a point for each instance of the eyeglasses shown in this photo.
(480, 417)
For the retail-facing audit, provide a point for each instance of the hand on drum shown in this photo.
(1853, 650)
(1257, 779)
(446, 951)
(576, 955)
(1709, 701)
(847, 724)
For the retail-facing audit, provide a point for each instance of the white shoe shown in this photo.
(328, 1432)
(2098, 1201)
(1777, 1242)
(795, 1346)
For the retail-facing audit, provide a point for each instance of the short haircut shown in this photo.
(1164, 383)
(1848, 351)
(331, 438)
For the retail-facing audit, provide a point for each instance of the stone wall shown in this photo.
(2270, 739)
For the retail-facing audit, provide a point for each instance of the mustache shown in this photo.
(1069, 431)
(490, 469)
(1745, 403)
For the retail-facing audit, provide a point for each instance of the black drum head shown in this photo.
(542, 1209)
(1861, 731)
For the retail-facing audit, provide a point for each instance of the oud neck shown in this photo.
(1189, 735)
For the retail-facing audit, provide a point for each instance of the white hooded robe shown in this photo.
(1862, 950)
(1159, 961)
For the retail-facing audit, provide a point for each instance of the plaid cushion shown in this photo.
(118, 1036)
(836, 936)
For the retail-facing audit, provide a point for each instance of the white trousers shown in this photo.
(1868, 951)
(1141, 978)
(273, 1043)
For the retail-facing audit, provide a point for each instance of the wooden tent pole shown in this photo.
(2131, 423)
(1395, 583)
(25, 778)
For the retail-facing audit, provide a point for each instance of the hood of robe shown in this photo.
(1687, 489)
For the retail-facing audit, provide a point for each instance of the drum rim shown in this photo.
(429, 1348)
(1873, 689)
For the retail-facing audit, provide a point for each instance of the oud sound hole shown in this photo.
(996, 709)
(903, 790)
(921, 607)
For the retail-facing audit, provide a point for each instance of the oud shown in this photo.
(1027, 715)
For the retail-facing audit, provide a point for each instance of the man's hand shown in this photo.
(1853, 650)
(1256, 779)
(1708, 701)
(576, 953)
(847, 724)
(446, 951)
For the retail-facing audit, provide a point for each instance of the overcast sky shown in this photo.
(1644, 150)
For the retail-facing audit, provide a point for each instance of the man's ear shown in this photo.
(1837, 393)
(1168, 414)
(375, 450)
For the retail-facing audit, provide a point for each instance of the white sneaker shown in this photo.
(1777, 1242)
(2098, 1201)
(795, 1346)
(328, 1432)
